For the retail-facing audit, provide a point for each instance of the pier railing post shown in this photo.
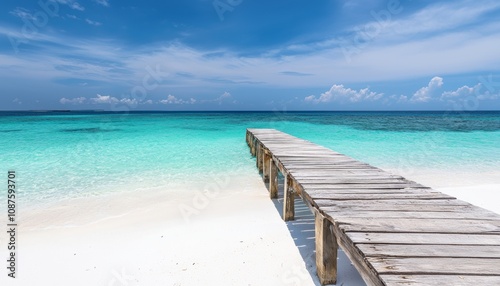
(326, 250)
(273, 180)
(289, 200)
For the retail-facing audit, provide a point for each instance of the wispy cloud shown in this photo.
(443, 16)
(293, 73)
(102, 2)
(339, 93)
(226, 95)
(108, 60)
(317, 63)
(94, 23)
(72, 4)
(174, 100)
(22, 13)
(101, 99)
(78, 100)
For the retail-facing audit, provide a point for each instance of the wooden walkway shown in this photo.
(395, 231)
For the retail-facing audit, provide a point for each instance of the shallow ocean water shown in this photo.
(81, 154)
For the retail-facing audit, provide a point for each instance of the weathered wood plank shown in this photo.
(430, 251)
(455, 215)
(333, 196)
(345, 177)
(418, 225)
(392, 204)
(370, 276)
(449, 266)
(318, 186)
(369, 191)
(424, 238)
(350, 181)
(440, 280)
(395, 231)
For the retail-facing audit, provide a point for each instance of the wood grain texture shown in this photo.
(326, 250)
(289, 200)
(440, 280)
(394, 231)
(273, 180)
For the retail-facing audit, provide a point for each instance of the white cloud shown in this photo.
(465, 93)
(225, 95)
(467, 51)
(72, 4)
(94, 23)
(104, 99)
(108, 99)
(426, 93)
(174, 100)
(128, 101)
(17, 100)
(77, 100)
(443, 16)
(339, 93)
(102, 2)
(222, 97)
(72, 16)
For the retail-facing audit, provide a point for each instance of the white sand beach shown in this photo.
(234, 236)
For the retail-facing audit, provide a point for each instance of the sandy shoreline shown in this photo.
(232, 236)
(155, 238)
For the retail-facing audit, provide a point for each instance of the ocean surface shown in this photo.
(61, 155)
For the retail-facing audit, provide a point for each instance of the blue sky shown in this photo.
(250, 55)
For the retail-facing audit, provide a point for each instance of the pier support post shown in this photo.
(248, 141)
(258, 152)
(273, 180)
(260, 157)
(265, 166)
(289, 200)
(326, 250)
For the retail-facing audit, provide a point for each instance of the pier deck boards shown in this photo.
(395, 231)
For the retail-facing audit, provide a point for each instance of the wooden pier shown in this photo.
(394, 231)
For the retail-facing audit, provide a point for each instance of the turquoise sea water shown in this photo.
(80, 154)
